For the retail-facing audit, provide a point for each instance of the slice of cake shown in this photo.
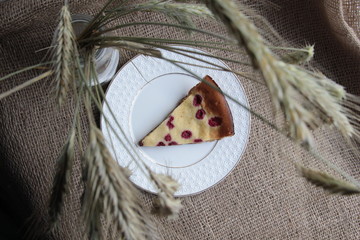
(202, 116)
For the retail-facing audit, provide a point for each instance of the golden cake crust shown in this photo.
(215, 104)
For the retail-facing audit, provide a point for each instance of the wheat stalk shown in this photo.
(283, 80)
(165, 204)
(247, 35)
(62, 179)
(63, 54)
(110, 193)
(328, 182)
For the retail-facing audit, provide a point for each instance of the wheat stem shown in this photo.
(162, 24)
(245, 75)
(111, 15)
(180, 50)
(92, 24)
(25, 84)
(178, 41)
(36, 66)
(110, 40)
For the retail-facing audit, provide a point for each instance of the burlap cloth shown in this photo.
(263, 198)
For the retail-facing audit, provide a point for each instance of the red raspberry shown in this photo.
(198, 140)
(160, 144)
(186, 134)
(169, 122)
(215, 121)
(197, 100)
(170, 125)
(173, 143)
(167, 138)
(200, 114)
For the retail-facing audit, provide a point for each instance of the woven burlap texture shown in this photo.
(263, 198)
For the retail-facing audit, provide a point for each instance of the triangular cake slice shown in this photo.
(202, 116)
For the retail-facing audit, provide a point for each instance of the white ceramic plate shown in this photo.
(142, 94)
